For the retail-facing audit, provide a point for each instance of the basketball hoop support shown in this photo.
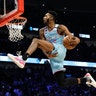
(13, 14)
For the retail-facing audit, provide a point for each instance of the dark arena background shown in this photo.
(36, 79)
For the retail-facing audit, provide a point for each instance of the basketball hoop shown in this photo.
(15, 26)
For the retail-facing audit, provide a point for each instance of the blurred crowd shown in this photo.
(38, 80)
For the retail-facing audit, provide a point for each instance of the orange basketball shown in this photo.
(71, 43)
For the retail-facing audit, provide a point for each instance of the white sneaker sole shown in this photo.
(15, 61)
(89, 75)
(93, 82)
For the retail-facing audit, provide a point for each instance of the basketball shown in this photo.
(71, 43)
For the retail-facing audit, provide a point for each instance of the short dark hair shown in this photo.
(54, 14)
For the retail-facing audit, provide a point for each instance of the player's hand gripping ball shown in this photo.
(71, 42)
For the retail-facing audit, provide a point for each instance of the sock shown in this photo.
(25, 56)
(83, 80)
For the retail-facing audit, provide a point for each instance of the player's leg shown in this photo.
(65, 82)
(36, 43)
(42, 44)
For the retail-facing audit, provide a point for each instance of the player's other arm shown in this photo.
(41, 34)
(63, 30)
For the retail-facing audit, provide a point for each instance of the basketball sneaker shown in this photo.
(17, 60)
(90, 80)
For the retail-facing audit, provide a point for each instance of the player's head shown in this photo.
(50, 16)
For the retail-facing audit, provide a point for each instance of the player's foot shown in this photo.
(90, 80)
(17, 60)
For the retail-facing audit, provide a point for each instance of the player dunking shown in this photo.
(51, 43)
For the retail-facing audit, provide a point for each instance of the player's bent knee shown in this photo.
(35, 40)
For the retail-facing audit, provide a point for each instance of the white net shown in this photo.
(15, 26)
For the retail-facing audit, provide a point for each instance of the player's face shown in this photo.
(46, 18)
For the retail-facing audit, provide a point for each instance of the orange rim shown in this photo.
(21, 20)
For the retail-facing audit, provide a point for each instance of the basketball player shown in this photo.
(51, 43)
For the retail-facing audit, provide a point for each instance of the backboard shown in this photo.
(10, 9)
